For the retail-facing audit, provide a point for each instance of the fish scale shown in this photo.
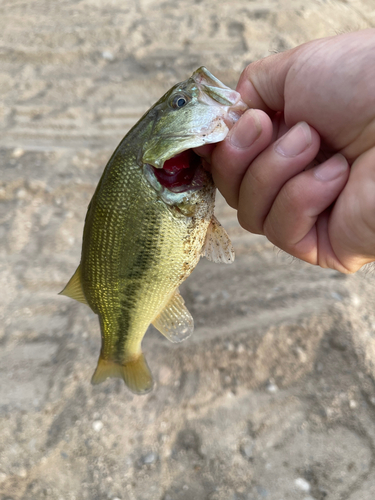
(142, 238)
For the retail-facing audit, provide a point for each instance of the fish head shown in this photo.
(198, 111)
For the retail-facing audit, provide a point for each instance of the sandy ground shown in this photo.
(273, 397)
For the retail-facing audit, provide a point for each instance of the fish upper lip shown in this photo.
(214, 92)
(224, 96)
(215, 89)
(205, 77)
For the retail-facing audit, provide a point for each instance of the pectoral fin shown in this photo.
(175, 322)
(74, 288)
(136, 374)
(217, 246)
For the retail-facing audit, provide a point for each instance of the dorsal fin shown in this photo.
(217, 246)
(74, 287)
(175, 322)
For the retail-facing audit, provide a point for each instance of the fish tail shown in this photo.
(136, 374)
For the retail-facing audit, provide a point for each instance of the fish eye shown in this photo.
(179, 101)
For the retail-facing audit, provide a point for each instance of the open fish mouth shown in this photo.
(180, 173)
(180, 181)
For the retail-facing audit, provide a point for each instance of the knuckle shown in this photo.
(247, 223)
(271, 233)
(257, 178)
(292, 196)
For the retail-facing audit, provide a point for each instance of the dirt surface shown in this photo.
(273, 397)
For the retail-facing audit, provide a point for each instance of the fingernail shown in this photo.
(295, 141)
(246, 131)
(331, 169)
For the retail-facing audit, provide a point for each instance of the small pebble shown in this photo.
(107, 55)
(21, 194)
(150, 458)
(356, 301)
(246, 450)
(301, 355)
(22, 473)
(272, 388)
(229, 346)
(18, 152)
(97, 425)
(353, 404)
(302, 484)
(165, 375)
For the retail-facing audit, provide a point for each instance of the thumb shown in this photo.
(262, 83)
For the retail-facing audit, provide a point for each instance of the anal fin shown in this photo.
(74, 288)
(217, 246)
(175, 322)
(136, 374)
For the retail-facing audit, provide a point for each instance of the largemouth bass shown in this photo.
(149, 222)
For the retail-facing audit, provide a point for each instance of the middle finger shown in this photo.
(268, 173)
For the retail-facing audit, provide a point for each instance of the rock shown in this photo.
(18, 152)
(97, 425)
(302, 484)
(149, 458)
(108, 55)
(247, 449)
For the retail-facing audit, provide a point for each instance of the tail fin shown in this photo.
(136, 374)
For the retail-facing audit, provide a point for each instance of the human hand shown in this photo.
(316, 99)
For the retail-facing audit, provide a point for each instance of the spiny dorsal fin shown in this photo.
(136, 374)
(217, 246)
(74, 287)
(175, 322)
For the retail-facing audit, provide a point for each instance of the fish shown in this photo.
(149, 222)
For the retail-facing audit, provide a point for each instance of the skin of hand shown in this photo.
(316, 101)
